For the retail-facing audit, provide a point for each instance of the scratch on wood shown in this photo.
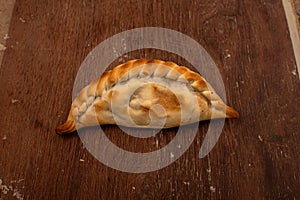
(211, 187)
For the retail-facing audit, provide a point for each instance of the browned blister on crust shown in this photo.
(128, 95)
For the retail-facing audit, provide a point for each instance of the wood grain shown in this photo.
(256, 157)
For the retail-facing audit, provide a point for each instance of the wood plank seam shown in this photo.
(292, 22)
(6, 10)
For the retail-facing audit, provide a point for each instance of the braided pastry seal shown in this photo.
(141, 93)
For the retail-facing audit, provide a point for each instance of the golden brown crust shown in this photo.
(67, 127)
(139, 68)
(231, 113)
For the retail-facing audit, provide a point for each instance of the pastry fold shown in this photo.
(146, 94)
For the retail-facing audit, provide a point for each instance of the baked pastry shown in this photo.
(144, 93)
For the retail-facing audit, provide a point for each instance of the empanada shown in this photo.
(144, 93)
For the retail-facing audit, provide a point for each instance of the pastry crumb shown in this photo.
(6, 36)
(22, 20)
(17, 181)
(186, 183)
(4, 189)
(17, 194)
(212, 188)
(228, 56)
(2, 47)
(171, 155)
(260, 138)
(11, 190)
(4, 138)
(81, 160)
(294, 72)
(14, 101)
(133, 187)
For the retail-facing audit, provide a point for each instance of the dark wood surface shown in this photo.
(256, 157)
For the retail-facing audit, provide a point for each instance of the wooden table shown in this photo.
(256, 157)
